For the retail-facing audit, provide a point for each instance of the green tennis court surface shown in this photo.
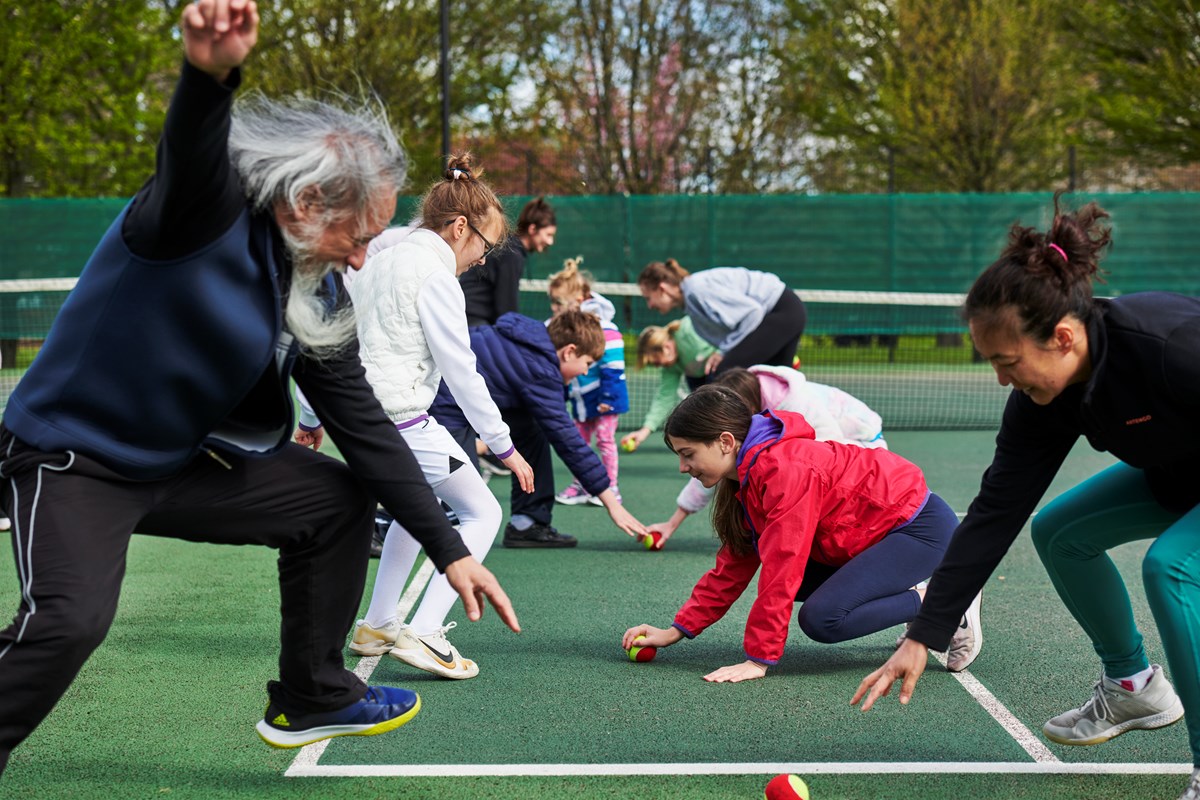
(166, 707)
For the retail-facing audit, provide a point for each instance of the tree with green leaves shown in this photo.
(958, 95)
(1146, 57)
(77, 115)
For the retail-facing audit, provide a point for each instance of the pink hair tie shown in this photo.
(1060, 251)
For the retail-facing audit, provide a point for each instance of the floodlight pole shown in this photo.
(445, 7)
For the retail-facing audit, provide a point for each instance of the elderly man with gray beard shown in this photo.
(159, 402)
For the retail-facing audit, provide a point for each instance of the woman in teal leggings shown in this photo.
(1073, 535)
(1125, 373)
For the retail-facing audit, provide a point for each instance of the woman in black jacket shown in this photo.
(1125, 373)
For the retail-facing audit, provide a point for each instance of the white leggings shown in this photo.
(478, 512)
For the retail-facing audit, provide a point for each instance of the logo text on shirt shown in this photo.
(1137, 420)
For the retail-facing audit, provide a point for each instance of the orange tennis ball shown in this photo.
(786, 787)
(646, 653)
(653, 541)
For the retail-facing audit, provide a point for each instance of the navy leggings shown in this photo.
(874, 590)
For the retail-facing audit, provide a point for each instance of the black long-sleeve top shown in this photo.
(1140, 403)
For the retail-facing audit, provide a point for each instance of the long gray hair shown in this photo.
(301, 150)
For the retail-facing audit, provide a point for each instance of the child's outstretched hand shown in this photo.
(634, 440)
(745, 671)
(655, 637)
(620, 517)
(521, 470)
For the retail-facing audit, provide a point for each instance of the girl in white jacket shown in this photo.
(412, 329)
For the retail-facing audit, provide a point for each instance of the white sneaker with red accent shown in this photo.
(433, 652)
(1113, 710)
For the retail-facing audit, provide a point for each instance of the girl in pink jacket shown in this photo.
(848, 531)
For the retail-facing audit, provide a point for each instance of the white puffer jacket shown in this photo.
(412, 330)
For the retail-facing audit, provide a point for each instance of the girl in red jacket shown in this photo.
(847, 531)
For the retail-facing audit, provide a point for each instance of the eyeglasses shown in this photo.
(489, 248)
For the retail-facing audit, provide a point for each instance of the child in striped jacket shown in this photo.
(597, 398)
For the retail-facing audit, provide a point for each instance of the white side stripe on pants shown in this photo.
(24, 546)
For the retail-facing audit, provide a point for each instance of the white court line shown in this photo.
(1028, 740)
(309, 755)
(795, 768)
(1044, 761)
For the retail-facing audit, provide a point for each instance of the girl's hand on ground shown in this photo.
(655, 637)
(907, 664)
(745, 671)
(521, 471)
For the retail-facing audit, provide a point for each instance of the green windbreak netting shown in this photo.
(910, 243)
(907, 356)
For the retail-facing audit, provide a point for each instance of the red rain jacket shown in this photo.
(803, 499)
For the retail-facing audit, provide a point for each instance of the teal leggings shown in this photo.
(1073, 534)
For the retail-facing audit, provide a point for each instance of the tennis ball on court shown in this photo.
(646, 653)
(786, 787)
(629, 445)
(653, 541)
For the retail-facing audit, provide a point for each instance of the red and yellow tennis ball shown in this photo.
(629, 444)
(646, 653)
(796, 365)
(653, 541)
(786, 787)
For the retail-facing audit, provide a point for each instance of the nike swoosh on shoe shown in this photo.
(446, 659)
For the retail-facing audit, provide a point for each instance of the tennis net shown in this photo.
(904, 354)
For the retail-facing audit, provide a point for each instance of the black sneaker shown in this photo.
(537, 535)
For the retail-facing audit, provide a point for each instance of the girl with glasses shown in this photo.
(413, 333)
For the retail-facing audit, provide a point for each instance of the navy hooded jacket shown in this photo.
(520, 366)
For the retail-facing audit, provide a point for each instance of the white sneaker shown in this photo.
(5, 524)
(1192, 792)
(370, 641)
(1113, 710)
(967, 640)
(433, 653)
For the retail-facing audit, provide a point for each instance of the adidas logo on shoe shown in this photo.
(382, 709)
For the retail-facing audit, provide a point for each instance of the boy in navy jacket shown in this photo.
(526, 365)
